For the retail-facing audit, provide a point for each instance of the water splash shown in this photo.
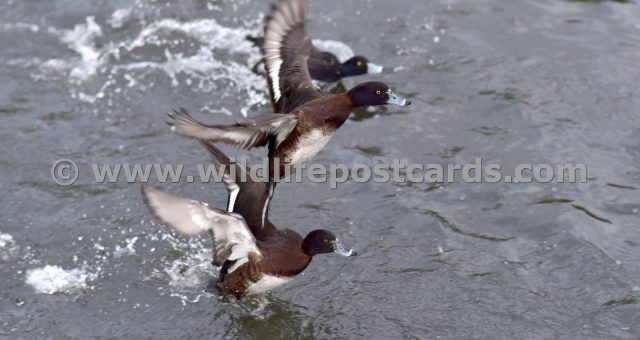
(8, 247)
(200, 55)
(53, 279)
(128, 249)
(187, 274)
(82, 39)
(191, 270)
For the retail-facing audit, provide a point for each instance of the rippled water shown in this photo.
(512, 82)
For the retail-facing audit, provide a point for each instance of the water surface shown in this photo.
(544, 81)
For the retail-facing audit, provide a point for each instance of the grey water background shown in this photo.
(544, 81)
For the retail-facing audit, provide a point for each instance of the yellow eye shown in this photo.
(378, 91)
(359, 64)
(325, 241)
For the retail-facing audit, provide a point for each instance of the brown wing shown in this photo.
(285, 52)
(246, 197)
(232, 239)
(245, 134)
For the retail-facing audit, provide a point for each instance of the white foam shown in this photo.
(128, 249)
(202, 70)
(20, 26)
(108, 64)
(6, 241)
(53, 279)
(190, 272)
(221, 110)
(119, 17)
(82, 40)
(207, 31)
(208, 71)
(8, 247)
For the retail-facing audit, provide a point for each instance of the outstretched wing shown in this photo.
(285, 52)
(232, 238)
(245, 134)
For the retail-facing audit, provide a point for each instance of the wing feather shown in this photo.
(285, 52)
(245, 134)
(232, 238)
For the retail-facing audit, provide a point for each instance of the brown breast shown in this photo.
(317, 122)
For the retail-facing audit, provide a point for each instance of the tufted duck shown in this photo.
(323, 65)
(315, 115)
(253, 259)
(294, 138)
(284, 48)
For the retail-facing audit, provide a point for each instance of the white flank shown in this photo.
(266, 282)
(308, 146)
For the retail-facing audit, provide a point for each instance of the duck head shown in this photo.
(375, 93)
(323, 242)
(359, 65)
